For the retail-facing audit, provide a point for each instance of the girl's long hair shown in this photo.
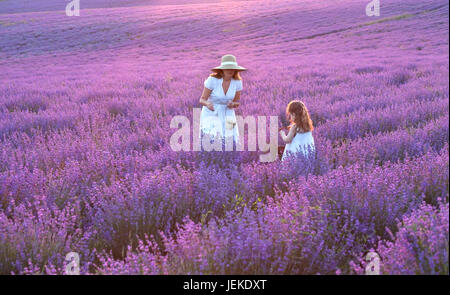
(218, 73)
(302, 119)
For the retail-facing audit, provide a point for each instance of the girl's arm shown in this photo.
(290, 136)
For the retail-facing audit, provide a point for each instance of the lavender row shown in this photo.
(390, 146)
(360, 123)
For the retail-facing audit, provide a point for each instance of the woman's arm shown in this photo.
(204, 99)
(290, 136)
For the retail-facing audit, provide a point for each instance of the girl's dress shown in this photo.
(299, 143)
(214, 123)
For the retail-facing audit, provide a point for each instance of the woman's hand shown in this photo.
(210, 106)
(232, 104)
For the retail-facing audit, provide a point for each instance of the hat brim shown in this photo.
(229, 67)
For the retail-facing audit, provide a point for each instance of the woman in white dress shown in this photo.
(220, 97)
(299, 137)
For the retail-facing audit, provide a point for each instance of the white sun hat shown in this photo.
(229, 63)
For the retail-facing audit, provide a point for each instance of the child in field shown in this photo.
(299, 136)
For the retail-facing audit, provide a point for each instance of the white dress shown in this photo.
(299, 143)
(214, 123)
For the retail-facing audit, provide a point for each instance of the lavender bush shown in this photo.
(419, 247)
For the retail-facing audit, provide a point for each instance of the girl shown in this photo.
(299, 137)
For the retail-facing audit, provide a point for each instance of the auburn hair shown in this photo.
(302, 119)
(218, 73)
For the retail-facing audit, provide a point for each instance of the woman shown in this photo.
(220, 97)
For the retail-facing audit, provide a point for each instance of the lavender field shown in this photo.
(86, 166)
